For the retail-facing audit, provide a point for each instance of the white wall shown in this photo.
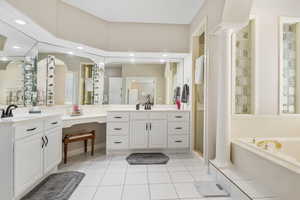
(70, 23)
(267, 25)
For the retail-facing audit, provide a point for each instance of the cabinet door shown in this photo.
(28, 162)
(158, 134)
(53, 149)
(139, 134)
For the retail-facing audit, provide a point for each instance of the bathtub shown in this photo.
(277, 171)
(288, 156)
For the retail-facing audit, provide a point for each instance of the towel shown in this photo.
(199, 70)
(185, 93)
(176, 94)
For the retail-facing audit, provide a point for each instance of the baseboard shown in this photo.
(80, 150)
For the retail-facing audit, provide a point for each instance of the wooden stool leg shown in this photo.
(93, 144)
(66, 152)
(85, 146)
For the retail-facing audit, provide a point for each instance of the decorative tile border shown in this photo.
(30, 82)
(50, 93)
(243, 71)
(98, 84)
(288, 93)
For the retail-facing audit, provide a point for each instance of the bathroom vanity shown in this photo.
(133, 130)
(31, 150)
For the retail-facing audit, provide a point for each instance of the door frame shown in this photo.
(202, 29)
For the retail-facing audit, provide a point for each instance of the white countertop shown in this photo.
(88, 116)
(28, 117)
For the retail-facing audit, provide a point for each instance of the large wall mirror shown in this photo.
(17, 67)
(66, 77)
(289, 66)
(132, 82)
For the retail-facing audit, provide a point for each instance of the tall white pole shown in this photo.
(224, 100)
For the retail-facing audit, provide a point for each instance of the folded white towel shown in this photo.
(199, 70)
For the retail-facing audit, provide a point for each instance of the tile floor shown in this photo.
(112, 178)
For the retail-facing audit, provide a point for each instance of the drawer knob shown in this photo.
(117, 129)
(178, 128)
(178, 117)
(117, 142)
(53, 123)
(30, 129)
(118, 117)
(178, 141)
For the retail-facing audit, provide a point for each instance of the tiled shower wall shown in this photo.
(243, 71)
(288, 85)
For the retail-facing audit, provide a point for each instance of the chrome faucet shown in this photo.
(8, 112)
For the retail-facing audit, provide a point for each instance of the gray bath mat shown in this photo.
(211, 189)
(56, 187)
(147, 159)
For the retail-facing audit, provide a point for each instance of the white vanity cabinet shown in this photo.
(28, 162)
(37, 150)
(147, 130)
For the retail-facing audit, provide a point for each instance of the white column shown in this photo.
(224, 100)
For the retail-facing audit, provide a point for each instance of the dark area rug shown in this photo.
(147, 159)
(58, 186)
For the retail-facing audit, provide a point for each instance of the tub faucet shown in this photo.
(265, 143)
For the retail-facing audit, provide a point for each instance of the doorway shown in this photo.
(199, 91)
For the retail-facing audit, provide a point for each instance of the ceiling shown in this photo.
(143, 11)
(16, 44)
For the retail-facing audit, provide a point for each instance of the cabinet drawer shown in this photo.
(118, 128)
(118, 116)
(178, 116)
(158, 115)
(178, 141)
(178, 128)
(139, 115)
(28, 128)
(53, 123)
(117, 142)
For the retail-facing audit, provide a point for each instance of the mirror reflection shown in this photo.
(17, 64)
(65, 78)
(132, 83)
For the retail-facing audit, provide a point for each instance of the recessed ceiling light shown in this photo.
(20, 22)
(165, 55)
(162, 61)
(80, 48)
(16, 47)
(131, 55)
(70, 52)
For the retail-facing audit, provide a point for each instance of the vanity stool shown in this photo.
(69, 138)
